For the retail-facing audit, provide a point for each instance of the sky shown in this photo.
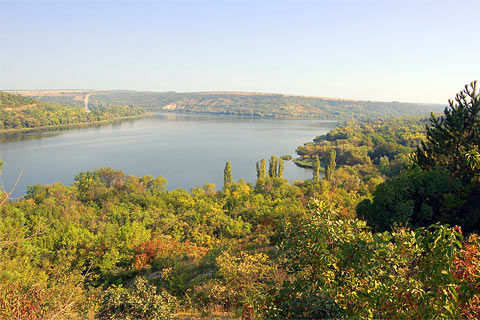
(412, 51)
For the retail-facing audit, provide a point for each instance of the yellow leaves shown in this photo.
(166, 273)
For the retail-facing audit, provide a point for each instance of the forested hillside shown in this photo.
(14, 101)
(20, 113)
(390, 232)
(265, 105)
(261, 105)
(366, 152)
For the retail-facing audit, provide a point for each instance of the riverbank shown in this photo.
(76, 125)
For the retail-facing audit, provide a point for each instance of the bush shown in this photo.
(142, 301)
(339, 268)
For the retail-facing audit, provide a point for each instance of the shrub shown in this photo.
(141, 301)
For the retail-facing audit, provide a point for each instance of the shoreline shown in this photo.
(74, 125)
(242, 116)
(152, 113)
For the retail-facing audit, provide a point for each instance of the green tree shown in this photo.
(261, 166)
(272, 169)
(1, 166)
(453, 134)
(227, 176)
(330, 165)
(316, 168)
(281, 166)
(257, 166)
(384, 165)
(416, 198)
(444, 187)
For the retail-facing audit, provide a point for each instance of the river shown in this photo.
(188, 150)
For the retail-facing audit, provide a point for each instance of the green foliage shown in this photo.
(141, 301)
(417, 198)
(109, 227)
(339, 269)
(316, 168)
(21, 113)
(12, 101)
(261, 167)
(446, 186)
(330, 165)
(281, 167)
(364, 153)
(449, 137)
(242, 281)
(227, 176)
(273, 167)
(275, 250)
(472, 160)
(214, 251)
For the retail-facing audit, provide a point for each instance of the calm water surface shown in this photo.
(188, 150)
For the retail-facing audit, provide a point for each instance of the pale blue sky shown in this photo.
(419, 51)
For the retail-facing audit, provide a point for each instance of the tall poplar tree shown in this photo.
(330, 165)
(316, 168)
(227, 176)
(261, 169)
(281, 166)
(272, 169)
(1, 166)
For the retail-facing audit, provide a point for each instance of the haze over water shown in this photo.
(188, 150)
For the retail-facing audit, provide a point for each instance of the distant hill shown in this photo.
(264, 105)
(26, 113)
(71, 97)
(261, 105)
(13, 101)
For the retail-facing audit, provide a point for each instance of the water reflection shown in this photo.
(29, 135)
(52, 132)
